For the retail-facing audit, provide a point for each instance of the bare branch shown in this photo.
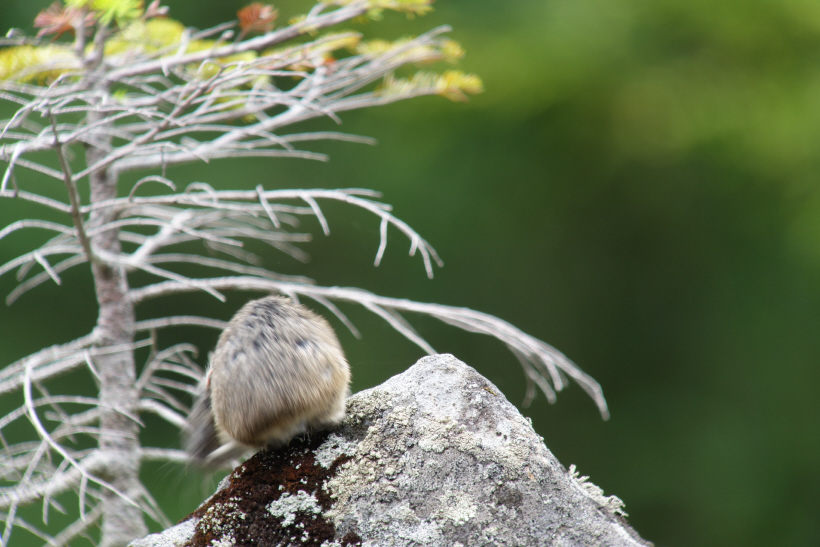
(250, 202)
(53, 485)
(13, 520)
(172, 417)
(56, 249)
(72, 195)
(51, 354)
(546, 359)
(157, 361)
(227, 265)
(149, 110)
(342, 317)
(16, 151)
(266, 206)
(40, 278)
(395, 321)
(52, 362)
(317, 211)
(41, 431)
(44, 224)
(78, 527)
(350, 11)
(383, 241)
(47, 267)
(34, 198)
(164, 454)
(189, 320)
(152, 178)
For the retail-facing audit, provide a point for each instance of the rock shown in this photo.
(174, 536)
(434, 456)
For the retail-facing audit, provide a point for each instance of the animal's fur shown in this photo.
(278, 370)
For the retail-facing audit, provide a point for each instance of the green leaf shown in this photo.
(121, 11)
(38, 64)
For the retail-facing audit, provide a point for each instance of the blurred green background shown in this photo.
(639, 186)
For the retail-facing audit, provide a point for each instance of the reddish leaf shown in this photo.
(257, 17)
(58, 20)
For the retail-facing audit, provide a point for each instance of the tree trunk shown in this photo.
(122, 520)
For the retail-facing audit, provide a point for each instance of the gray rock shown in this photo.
(175, 536)
(434, 456)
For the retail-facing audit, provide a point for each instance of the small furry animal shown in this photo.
(278, 370)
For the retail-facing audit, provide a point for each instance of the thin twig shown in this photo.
(548, 359)
(72, 195)
(41, 431)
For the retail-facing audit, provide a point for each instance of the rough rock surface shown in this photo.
(434, 456)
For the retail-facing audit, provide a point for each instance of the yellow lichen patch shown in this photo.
(456, 85)
(378, 47)
(312, 54)
(307, 29)
(412, 7)
(446, 50)
(452, 50)
(145, 37)
(36, 64)
(157, 33)
(211, 68)
(377, 7)
(453, 84)
(336, 41)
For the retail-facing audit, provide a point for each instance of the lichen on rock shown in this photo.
(434, 456)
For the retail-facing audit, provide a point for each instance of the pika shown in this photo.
(277, 371)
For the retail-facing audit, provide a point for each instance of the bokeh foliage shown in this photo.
(638, 186)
